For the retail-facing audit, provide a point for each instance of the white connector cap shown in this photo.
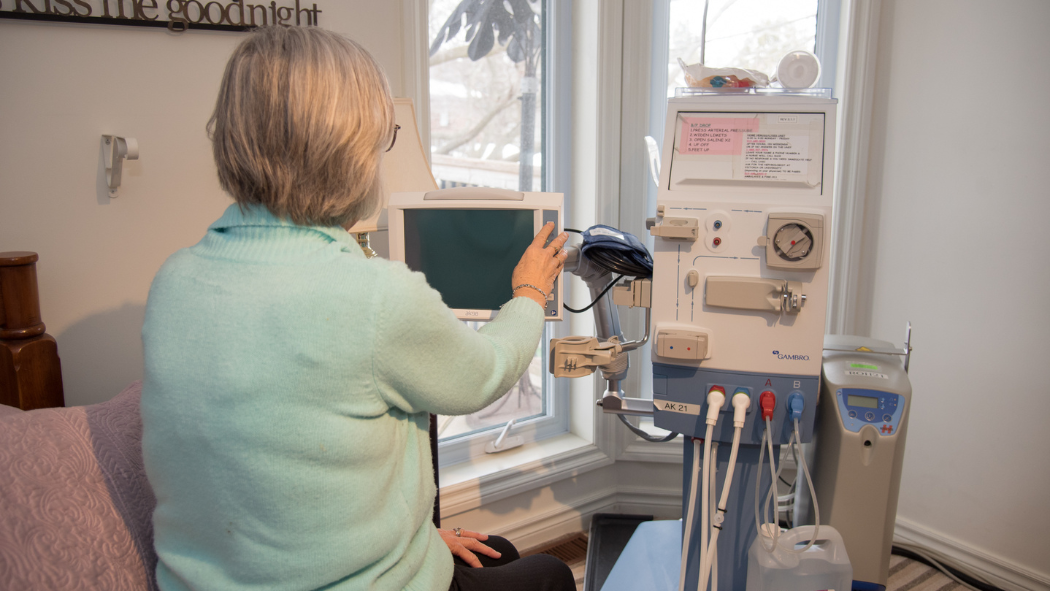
(716, 397)
(741, 402)
(768, 530)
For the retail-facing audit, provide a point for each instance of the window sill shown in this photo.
(497, 476)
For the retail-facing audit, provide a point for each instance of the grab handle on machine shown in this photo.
(754, 293)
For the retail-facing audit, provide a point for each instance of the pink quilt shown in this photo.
(75, 506)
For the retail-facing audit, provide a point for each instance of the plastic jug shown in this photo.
(824, 567)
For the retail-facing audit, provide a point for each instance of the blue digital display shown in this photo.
(859, 407)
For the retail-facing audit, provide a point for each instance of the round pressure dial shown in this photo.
(793, 242)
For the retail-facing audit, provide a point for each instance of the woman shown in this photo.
(288, 378)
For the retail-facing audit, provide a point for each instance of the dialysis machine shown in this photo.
(740, 282)
(736, 306)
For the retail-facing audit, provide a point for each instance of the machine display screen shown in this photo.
(865, 401)
(468, 255)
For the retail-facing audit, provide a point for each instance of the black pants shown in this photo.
(510, 572)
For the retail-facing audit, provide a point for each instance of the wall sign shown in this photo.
(176, 15)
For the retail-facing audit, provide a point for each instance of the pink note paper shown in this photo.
(714, 136)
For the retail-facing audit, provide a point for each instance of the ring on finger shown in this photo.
(458, 531)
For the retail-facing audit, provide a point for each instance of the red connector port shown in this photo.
(768, 401)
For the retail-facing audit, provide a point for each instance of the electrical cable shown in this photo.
(945, 560)
(641, 433)
(591, 305)
(632, 264)
(953, 571)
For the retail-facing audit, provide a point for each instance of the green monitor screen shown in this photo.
(468, 255)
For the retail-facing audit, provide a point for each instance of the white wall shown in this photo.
(957, 213)
(64, 85)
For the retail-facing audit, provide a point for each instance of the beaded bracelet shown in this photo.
(517, 287)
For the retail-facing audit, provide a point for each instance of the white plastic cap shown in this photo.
(799, 69)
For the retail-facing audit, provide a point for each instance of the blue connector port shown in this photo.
(796, 404)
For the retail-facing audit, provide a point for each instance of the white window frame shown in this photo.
(557, 68)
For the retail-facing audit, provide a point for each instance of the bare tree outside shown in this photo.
(485, 72)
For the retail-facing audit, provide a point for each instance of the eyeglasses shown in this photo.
(393, 141)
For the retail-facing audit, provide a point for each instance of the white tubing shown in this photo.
(705, 565)
(767, 440)
(705, 495)
(687, 530)
(812, 494)
(775, 474)
(708, 554)
(712, 550)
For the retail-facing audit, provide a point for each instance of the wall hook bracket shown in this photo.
(114, 150)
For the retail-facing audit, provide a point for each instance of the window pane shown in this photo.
(752, 34)
(524, 401)
(478, 102)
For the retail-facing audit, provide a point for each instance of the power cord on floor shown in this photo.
(932, 558)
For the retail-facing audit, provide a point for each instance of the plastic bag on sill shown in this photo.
(700, 76)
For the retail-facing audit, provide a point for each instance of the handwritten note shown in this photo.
(714, 136)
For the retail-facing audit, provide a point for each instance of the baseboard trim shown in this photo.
(566, 519)
(1001, 572)
(575, 517)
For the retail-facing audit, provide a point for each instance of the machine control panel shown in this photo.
(860, 406)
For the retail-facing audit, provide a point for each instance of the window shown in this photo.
(488, 122)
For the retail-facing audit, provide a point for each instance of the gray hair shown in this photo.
(300, 126)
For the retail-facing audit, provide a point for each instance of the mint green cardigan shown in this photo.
(284, 406)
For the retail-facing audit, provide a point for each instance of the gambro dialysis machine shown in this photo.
(735, 308)
(739, 295)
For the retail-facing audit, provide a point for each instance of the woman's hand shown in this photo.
(466, 541)
(540, 266)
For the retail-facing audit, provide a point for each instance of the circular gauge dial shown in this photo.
(792, 242)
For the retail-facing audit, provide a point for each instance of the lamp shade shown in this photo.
(404, 168)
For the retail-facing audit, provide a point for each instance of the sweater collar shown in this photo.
(253, 215)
